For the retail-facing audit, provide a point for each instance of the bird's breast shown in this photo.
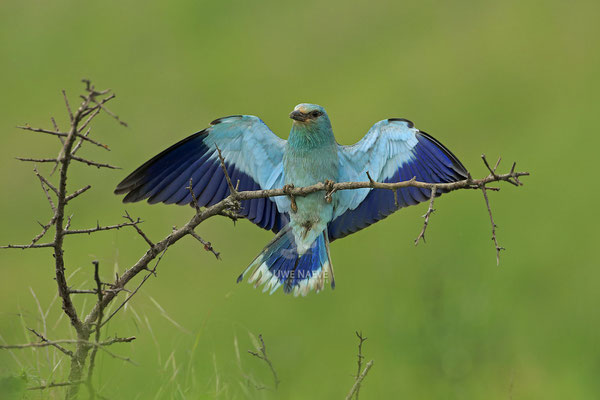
(304, 167)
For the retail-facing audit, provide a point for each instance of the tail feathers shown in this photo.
(279, 264)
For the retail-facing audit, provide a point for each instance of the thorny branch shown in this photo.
(71, 141)
(361, 340)
(90, 372)
(47, 343)
(360, 376)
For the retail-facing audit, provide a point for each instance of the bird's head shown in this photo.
(311, 125)
(309, 114)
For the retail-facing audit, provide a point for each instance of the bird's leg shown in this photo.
(287, 189)
(329, 189)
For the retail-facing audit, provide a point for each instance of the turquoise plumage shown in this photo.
(298, 258)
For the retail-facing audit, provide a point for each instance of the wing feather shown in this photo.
(252, 153)
(392, 151)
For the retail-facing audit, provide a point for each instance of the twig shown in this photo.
(120, 282)
(190, 188)
(498, 247)
(68, 106)
(359, 380)
(77, 193)
(94, 163)
(135, 223)
(430, 211)
(361, 340)
(92, 363)
(45, 229)
(38, 160)
(263, 356)
(207, 245)
(45, 340)
(45, 181)
(53, 385)
(99, 228)
(45, 185)
(116, 117)
(232, 189)
(63, 135)
(68, 341)
(27, 246)
(80, 143)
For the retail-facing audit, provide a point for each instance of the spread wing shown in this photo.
(392, 151)
(253, 156)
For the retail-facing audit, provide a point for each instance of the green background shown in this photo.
(517, 79)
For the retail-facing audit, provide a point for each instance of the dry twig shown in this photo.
(361, 340)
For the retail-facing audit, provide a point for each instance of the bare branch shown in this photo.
(232, 189)
(430, 211)
(92, 363)
(135, 223)
(68, 341)
(106, 110)
(38, 160)
(29, 128)
(77, 193)
(45, 340)
(120, 282)
(80, 143)
(68, 106)
(487, 203)
(27, 246)
(46, 182)
(207, 245)
(94, 163)
(93, 112)
(45, 229)
(361, 340)
(358, 381)
(63, 135)
(99, 228)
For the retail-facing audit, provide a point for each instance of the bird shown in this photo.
(298, 257)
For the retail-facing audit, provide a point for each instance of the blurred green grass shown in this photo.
(512, 79)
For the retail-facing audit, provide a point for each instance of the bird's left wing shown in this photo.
(252, 154)
(392, 151)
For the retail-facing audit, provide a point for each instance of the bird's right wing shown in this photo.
(252, 154)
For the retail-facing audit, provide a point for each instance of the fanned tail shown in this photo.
(279, 264)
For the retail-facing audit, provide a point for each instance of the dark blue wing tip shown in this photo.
(136, 178)
(458, 166)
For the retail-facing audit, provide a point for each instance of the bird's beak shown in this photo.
(298, 116)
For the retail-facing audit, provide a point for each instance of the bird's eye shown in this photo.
(315, 114)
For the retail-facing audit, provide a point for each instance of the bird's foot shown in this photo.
(329, 189)
(287, 189)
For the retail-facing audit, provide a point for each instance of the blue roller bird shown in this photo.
(298, 257)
